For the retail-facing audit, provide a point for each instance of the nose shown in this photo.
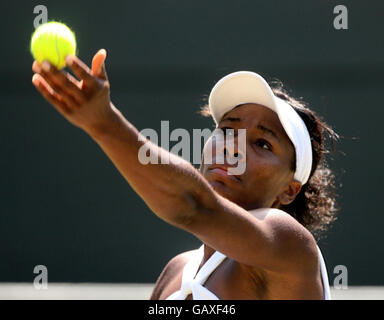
(225, 149)
(233, 150)
(229, 152)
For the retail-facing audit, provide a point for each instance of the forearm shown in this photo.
(170, 190)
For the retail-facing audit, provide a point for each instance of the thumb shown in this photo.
(98, 64)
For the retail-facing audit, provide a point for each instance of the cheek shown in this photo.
(265, 170)
(209, 151)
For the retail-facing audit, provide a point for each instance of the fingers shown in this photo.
(82, 71)
(49, 94)
(98, 64)
(63, 90)
(62, 82)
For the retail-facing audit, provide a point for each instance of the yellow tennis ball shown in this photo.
(53, 41)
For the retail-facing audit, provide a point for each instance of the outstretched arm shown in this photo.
(86, 104)
(175, 192)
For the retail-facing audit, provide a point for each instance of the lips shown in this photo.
(223, 171)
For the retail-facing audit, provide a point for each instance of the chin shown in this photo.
(218, 185)
(222, 189)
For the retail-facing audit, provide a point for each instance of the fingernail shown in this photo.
(35, 79)
(69, 60)
(45, 65)
(36, 68)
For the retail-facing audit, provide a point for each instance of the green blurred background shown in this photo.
(65, 206)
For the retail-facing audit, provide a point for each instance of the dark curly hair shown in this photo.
(315, 206)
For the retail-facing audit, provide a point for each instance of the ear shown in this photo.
(290, 192)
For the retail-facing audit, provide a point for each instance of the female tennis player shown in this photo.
(257, 228)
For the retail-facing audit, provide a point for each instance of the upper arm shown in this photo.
(275, 242)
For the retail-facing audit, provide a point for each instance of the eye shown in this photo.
(228, 131)
(263, 144)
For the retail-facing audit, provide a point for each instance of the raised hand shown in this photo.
(86, 102)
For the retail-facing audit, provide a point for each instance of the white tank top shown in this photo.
(192, 283)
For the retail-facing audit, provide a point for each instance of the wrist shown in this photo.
(110, 123)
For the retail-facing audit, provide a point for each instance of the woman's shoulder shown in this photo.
(172, 272)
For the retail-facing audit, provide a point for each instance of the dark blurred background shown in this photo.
(65, 206)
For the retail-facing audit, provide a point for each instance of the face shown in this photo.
(267, 181)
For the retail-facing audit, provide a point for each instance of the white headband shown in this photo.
(249, 87)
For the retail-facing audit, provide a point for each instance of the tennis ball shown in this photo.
(53, 41)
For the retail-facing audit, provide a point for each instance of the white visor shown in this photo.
(248, 87)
